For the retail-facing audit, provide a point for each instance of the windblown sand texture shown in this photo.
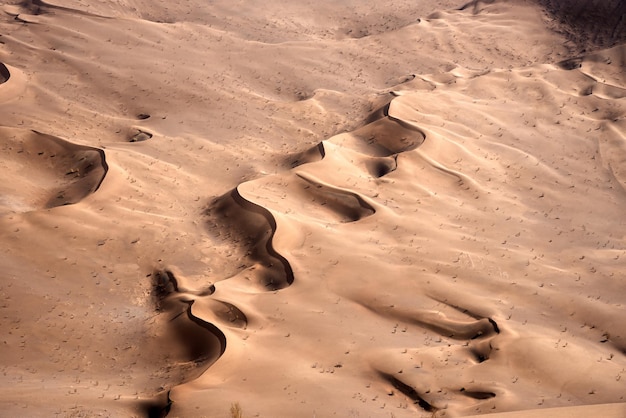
(313, 209)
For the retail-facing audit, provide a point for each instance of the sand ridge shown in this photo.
(488, 341)
(404, 211)
(50, 172)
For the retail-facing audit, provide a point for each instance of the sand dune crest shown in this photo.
(50, 171)
(341, 208)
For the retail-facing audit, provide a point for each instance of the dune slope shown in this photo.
(329, 209)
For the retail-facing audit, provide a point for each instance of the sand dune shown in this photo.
(329, 209)
(47, 171)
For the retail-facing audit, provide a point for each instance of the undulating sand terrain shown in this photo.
(313, 209)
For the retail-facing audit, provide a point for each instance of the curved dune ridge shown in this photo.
(47, 171)
(203, 342)
(340, 208)
(476, 340)
(349, 206)
(253, 227)
(206, 345)
(12, 83)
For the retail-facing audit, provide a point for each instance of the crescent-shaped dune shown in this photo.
(46, 171)
(313, 209)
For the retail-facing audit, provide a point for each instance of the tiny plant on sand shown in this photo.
(235, 411)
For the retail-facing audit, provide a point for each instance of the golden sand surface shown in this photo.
(313, 209)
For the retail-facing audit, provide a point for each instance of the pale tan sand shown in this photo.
(312, 209)
(602, 410)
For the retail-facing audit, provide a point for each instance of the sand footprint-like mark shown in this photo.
(139, 135)
(381, 166)
(47, 171)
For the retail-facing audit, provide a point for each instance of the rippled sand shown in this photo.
(317, 209)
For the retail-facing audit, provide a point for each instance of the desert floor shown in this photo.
(313, 209)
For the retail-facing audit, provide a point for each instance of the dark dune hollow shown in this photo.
(409, 392)
(473, 328)
(477, 394)
(204, 347)
(164, 284)
(230, 314)
(203, 342)
(158, 407)
(381, 166)
(5, 74)
(349, 206)
(458, 330)
(385, 135)
(311, 155)
(570, 64)
(85, 170)
(140, 136)
(481, 350)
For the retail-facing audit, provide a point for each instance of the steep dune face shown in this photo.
(513, 236)
(5, 74)
(46, 171)
(329, 209)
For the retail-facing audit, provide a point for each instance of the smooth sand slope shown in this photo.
(312, 209)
